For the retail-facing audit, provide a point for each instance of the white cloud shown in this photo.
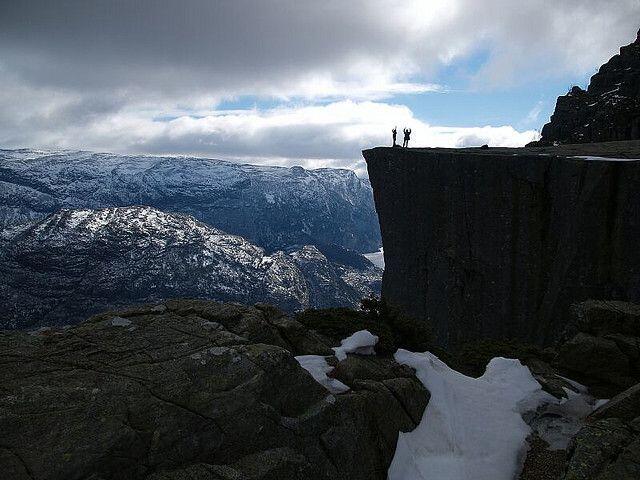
(533, 117)
(313, 136)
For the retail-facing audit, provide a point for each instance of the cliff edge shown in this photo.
(499, 243)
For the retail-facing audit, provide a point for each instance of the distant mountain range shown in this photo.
(274, 207)
(74, 263)
(81, 232)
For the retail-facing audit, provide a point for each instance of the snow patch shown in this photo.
(361, 342)
(318, 367)
(377, 258)
(559, 421)
(605, 159)
(472, 427)
(120, 322)
(600, 403)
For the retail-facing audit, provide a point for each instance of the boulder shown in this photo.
(604, 347)
(549, 379)
(625, 406)
(595, 358)
(630, 346)
(607, 449)
(602, 317)
(193, 390)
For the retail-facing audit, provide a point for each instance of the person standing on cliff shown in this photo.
(394, 134)
(407, 136)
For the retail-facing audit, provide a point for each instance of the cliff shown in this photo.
(609, 110)
(498, 243)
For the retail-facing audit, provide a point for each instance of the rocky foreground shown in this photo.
(195, 390)
(201, 390)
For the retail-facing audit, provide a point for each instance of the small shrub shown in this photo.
(339, 323)
(394, 329)
(472, 358)
(409, 333)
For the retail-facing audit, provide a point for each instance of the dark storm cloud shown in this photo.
(98, 74)
(224, 45)
(267, 46)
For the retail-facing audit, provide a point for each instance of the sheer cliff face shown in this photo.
(499, 243)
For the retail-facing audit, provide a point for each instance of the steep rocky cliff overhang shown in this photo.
(498, 243)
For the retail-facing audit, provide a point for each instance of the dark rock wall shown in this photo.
(499, 245)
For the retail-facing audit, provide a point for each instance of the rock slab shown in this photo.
(194, 389)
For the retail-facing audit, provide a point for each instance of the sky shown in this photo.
(294, 82)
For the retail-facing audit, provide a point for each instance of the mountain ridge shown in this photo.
(274, 207)
(77, 262)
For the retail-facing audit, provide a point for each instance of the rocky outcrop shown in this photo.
(75, 263)
(609, 110)
(608, 446)
(498, 243)
(189, 389)
(603, 346)
(605, 450)
(625, 406)
(602, 317)
(604, 354)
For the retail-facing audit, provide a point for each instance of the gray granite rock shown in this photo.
(596, 357)
(193, 390)
(625, 406)
(607, 449)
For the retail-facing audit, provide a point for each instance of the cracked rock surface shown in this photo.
(194, 390)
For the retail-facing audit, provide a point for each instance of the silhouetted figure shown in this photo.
(394, 133)
(407, 137)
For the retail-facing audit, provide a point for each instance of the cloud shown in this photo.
(533, 117)
(313, 136)
(102, 74)
(300, 48)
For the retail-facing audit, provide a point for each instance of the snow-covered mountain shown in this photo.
(274, 207)
(74, 263)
